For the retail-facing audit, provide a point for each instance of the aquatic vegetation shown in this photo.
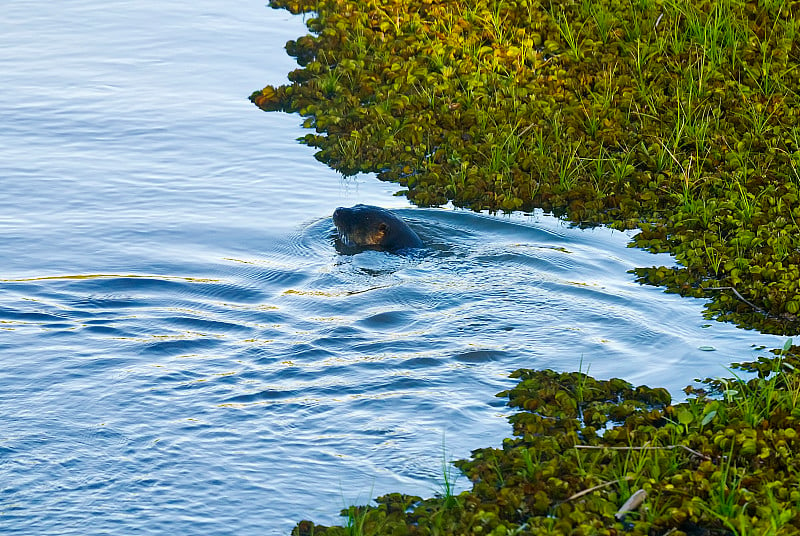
(722, 462)
(677, 117)
(448, 482)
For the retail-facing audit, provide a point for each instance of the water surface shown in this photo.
(184, 352)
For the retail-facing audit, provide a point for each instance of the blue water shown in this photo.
(182, 350)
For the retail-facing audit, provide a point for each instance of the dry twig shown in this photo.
(736, 292)
(595, 488)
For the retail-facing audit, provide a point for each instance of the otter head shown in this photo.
(369, 227)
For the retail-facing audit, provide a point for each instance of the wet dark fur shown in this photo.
(370, 227)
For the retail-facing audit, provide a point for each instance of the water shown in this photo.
(183, 351)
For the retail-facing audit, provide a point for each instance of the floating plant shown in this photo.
(606, 458)
(679, 118)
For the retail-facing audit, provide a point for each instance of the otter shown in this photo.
(370, 227)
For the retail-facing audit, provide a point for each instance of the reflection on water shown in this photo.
(184, 351)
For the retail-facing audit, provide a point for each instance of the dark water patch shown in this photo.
(388, 320)
(338, 333)
(381, 387)
(101, 284)
(103, 319)
(479, 356)
(206, 326)
(227, 292)
(310, 354)
(105, 302)
(108, 332)
(589, 292)
(82, 365)
(261, 396)
(172, 378)
(57, 326)
(267, 318)
(286, 277)
(179, 347)
(30, 317)
(422, 362)
(529, 260)
(337, 342)
(387, 347)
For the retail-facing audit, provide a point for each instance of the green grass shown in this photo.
(447, 484)
(356, 517)
(571, 35)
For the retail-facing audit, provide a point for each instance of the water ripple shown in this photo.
(183, 349)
